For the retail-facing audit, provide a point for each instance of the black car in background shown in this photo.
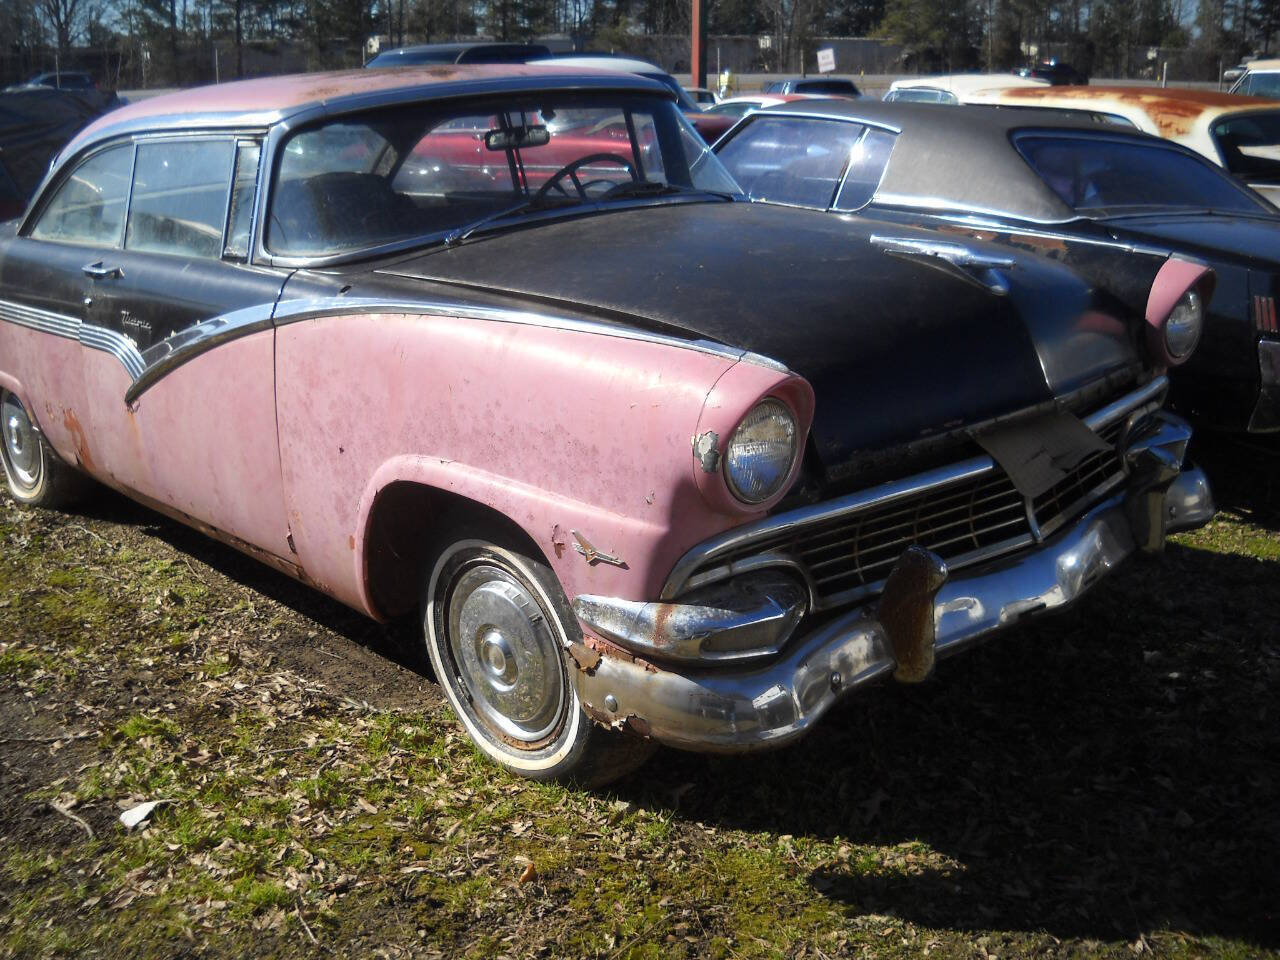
(459, 53)
(1058, 74)
(35, 123)
(1112, 204)
(829, 86)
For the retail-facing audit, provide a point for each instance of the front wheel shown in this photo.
(34, 474)
(497, 625)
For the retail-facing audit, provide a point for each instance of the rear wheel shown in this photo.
(34, 474)
(497, 625)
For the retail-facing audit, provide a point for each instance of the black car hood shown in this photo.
(1254, 240)
(895, 349)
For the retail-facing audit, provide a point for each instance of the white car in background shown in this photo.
(1261, 78)
(702, 97)
(957, 87)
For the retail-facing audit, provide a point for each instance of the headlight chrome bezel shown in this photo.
(769, 412)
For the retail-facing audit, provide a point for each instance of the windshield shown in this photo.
(1250, 144)
(418, 171)
(1099, 176)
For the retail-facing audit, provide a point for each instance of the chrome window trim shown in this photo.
(148, 133)
(41, 199)
(72, 328)
(683, 573)
(195, 136)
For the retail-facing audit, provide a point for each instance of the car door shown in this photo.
(192, 429)
(46, 293)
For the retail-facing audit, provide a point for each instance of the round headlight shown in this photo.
(761, 452)
(1182, 329)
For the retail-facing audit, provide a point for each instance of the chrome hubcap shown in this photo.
(506, 653)
(21, 446)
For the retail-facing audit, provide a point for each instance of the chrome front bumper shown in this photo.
(738, 707)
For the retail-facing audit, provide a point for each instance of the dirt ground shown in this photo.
(1102, 782)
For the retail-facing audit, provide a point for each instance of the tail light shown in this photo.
(1176, 307)
(1264, 315)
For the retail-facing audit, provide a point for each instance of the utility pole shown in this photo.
(698, 58)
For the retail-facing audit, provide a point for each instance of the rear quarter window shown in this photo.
(179, 202)
(1098, 174)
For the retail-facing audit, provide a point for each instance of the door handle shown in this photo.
(99, 272)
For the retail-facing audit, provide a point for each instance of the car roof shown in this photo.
(961, 157)
(1262, 66)
(265, 101)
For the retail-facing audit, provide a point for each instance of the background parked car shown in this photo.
(1260, 78)
(828, 86)
(709, 129)
(1058, 74)
(955, 88)
(35, 122)
(644, 459)
(65, 80)
(1115, 205)
(716, 120)
(459, 53)
(702, 96)
(1239, 133)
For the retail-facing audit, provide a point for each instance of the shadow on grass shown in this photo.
(1105, 772)
(1102, 773)
(1244, 472)
(396, 641)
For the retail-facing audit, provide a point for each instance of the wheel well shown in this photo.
(409, 524)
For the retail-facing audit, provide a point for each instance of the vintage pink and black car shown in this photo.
(651, 464)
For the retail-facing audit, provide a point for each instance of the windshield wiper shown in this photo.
(464, 231)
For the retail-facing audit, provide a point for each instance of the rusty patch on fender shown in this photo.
(586, 658)
(72, 423)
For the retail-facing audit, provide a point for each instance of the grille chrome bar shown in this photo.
(966, 512)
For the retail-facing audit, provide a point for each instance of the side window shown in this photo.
(179, 202)
(242, 192)
(790, 160)
(867, 161)
(89, 205)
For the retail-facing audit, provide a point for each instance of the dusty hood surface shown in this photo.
(895, 348)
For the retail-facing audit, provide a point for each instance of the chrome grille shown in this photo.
(1096, 474)
(965, 513)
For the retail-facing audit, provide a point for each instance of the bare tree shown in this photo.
(65, 19)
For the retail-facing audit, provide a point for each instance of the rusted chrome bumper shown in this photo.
(922, 614)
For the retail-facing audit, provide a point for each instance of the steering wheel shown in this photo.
(570, 170)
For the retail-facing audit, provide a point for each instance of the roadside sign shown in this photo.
(826, 60)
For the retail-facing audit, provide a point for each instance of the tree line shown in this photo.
(164, 41)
